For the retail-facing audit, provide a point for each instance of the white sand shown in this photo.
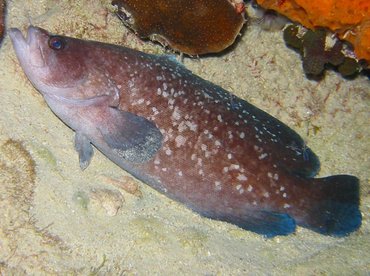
(61, 220)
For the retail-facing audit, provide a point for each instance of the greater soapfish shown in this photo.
(186, 137)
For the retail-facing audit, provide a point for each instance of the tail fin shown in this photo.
(336, 211)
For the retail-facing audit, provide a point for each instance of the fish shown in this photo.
(185, 137)
(2, 19)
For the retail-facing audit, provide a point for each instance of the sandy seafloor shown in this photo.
(57, 219)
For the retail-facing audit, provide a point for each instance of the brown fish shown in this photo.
(186, 137)
(2, 19)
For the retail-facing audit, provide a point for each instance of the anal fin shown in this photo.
(266, 223)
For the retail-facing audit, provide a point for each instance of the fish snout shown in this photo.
(34, 34)
(29, 49)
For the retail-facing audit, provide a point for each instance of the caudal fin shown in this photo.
(336, 208)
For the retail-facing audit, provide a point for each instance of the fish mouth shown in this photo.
(29, 48)
(17, 38)
(16, 35)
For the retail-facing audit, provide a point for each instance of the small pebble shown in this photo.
(108, 200)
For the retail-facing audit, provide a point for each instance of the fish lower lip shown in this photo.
(16, 35)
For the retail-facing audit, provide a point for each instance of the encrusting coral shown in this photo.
(192, 27)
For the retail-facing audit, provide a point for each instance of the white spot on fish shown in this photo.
(250, 188)
(219, 118)
(176, 114)
(284, 194)
(234, 167)
(182, 126)
(262, 156)
(218, 186)
(242, 177)
(180, 141)
(171, 101)
(192, 126)
(155, 111)
(257, 148)
(242, 135)
(286, 206)
(229, 156)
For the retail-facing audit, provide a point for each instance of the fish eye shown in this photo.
(56, 43)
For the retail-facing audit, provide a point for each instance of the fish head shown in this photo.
(50, 62)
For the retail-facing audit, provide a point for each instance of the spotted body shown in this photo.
(186, 137)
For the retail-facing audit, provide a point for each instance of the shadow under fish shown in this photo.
(186, 137)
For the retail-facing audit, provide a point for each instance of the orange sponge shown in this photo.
(349, 19)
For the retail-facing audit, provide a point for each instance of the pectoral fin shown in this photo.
(130, 136)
